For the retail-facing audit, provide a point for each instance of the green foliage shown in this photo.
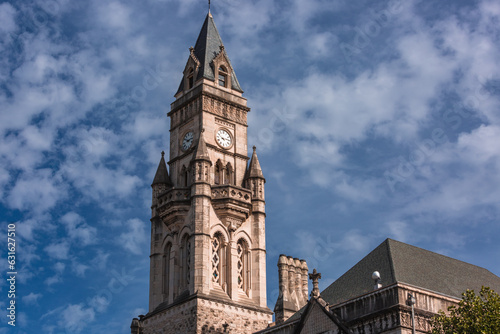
(474, 315)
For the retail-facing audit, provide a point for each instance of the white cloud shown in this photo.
(319, 248)
(37, 191)
(145, 125)
(481, 146)
(26, 228)
(32, 298)
(59, 267)
(58, 250)
(116, 15)
(78, 229)
(7, 17)
(99, 302)
(469, 194)
(100, 261)
(134, 239)
(53, 280)
(79, 268)
(398, 230)
(74, 318)
(27, 252)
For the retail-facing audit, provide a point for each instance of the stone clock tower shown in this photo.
(208, 253)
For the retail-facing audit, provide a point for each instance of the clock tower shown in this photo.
(208, 253)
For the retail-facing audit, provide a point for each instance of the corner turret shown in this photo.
(254, 179)
(161, 181)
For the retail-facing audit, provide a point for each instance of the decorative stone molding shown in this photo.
(173, 205)
(222, 108)
(185, 113)
(231, 192)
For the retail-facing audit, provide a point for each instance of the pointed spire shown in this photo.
(201, 152)
(207, 47)
(161, 176)
(254, 169)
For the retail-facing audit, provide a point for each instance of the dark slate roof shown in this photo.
(208, 45)
(161, 176)
(403, 263)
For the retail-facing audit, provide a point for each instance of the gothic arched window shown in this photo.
(228, 177)
(219, 260)
(190, 78)
(184, 177)
(219, 173)
(185, 263)
(166, 270)
(243, 266)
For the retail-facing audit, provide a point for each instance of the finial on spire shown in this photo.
(254, 148)
(162, 154)
(209, 6)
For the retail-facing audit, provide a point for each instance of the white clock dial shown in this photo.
(188, 140)
(223, 138)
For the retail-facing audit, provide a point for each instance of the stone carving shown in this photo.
(221, 108)
(231, 192)
(315, 276)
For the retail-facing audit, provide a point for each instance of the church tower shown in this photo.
(208, 252)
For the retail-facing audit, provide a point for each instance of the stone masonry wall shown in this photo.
(176, 320)
(205, 316)
(217, 317)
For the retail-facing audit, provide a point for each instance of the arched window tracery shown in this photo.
(219, 261)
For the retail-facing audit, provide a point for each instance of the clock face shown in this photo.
(223, 138)
(188, 140)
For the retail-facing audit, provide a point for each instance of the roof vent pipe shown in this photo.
(377, 280)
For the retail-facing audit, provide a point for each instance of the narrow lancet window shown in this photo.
(222, 76)
(166, 270)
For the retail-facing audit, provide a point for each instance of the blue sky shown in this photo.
(372, 119)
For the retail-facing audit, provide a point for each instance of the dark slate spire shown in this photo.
(161, 176)
(254, 169)
(207, 47)
(201, 152)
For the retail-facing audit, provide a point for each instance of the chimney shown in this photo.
(293, 289)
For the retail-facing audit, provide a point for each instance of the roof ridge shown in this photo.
(391, 259)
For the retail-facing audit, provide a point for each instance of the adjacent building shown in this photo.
(360, 302)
